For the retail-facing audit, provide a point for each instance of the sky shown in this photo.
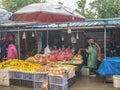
(69, 3)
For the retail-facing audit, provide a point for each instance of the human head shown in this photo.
(92, 41)
(11, 42)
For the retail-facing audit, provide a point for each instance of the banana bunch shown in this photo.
(30, 59)
(20, 65)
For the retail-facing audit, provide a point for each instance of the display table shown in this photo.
(78, 67)
(109, 66)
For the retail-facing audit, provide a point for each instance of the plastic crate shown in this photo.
(29, 84)
(57, 79)
(39, 86)
(16, 82)
(58, 86)
(15, 75)
(71, 81)
(22, 83)
(28, 76)
(41, 77)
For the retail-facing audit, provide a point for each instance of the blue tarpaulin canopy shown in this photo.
(80, 25)
(4, 15)
(109, 66)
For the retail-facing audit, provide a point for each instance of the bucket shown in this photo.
(116, 81)
(85, 71)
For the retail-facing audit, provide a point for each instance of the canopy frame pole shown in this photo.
(19, 44)
(105, 40)
(47, 37)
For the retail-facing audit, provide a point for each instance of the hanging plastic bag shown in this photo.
(47, 51)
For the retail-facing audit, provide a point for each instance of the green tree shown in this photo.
(100, 9)
(14, 5)
(106, 8)
(84, 11)
(81, 6)
(89, 14)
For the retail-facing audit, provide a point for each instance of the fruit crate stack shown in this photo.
(21, 78)
(58, 82)
(27, 79)
(36, 80)
(40, 81)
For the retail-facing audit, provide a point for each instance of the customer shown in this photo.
(92, 56)
(12, 51)
(3, 50)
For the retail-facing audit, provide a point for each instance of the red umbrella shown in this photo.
(46, 12)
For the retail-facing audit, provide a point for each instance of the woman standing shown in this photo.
(12, 51)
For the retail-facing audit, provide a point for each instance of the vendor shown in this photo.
(92, 56)
(12, 51)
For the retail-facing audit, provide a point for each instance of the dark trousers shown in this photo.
(92, 71)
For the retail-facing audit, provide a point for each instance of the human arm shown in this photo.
(98, 52)
(14, 50)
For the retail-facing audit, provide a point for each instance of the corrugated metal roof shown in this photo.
(81, 24)
(88, 23)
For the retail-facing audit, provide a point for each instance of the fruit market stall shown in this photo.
(75, 26)
(55, 69)
(102, 25)
(63, 56)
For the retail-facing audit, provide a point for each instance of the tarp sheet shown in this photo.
(4, 15)
(109, 66)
